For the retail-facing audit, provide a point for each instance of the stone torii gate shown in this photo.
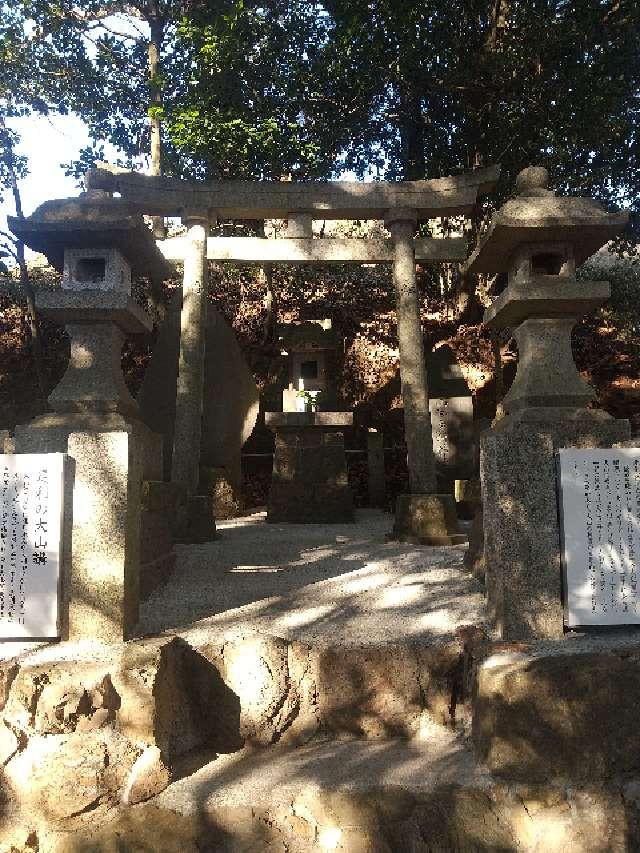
(401, 205)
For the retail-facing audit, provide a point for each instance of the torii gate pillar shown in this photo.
(422, 515)
(185, 465)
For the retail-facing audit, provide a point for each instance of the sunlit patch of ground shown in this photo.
(317, 582)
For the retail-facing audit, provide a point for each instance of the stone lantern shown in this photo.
(98, 243)
(538, 239)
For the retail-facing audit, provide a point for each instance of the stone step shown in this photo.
(247, 744)
(265, 689)
(291, 691)
(355, 796)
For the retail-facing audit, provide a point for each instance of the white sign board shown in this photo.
(600, 524)
(31, 522)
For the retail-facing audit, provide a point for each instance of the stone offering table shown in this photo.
(310, 483)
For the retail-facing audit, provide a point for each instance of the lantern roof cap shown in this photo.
(536, 215)
(93, 220)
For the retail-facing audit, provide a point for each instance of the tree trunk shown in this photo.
(25, 281)
(467, 309)
(156, 27)
(411, 134)
(498, 22)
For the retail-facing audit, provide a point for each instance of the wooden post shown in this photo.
(185, 466)
(413, 375)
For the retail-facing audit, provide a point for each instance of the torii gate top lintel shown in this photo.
(162, 196)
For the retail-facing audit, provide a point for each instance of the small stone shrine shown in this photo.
(538, 239)
(309, 482)
(121, 539)
(311, 350)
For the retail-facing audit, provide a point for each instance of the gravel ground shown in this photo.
(316, 583)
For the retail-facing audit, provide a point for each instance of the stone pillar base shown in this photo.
(428, 520)
(520, 518)
(199, 525)
(216, 483)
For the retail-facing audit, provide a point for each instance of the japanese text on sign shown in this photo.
(31, 516)
(600, 504)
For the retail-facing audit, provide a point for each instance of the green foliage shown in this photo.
(394, 88)
(623, 307)
(509, 81)
(261, 100)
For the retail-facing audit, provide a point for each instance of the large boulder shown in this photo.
(565, 711)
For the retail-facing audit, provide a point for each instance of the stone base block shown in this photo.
(306, 504)
(563, 711)
(157, 519)
(103, 589)
(112, 455)
(521, 528)
(427, 519)
(200, 521)
(154, 573)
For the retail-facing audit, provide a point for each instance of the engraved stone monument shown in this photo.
(451, 410)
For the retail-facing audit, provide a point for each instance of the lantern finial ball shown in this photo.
(534, 180)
